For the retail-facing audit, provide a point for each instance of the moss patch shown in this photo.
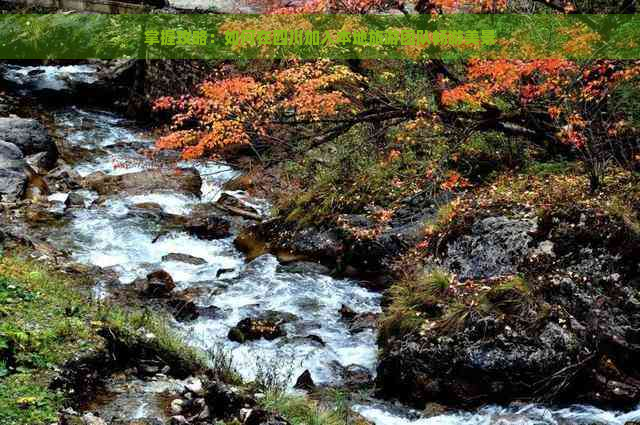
(44, 321)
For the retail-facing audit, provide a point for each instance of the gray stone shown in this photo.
(494, 248)
(30, 137)
(12, 184)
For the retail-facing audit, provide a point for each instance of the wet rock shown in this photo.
(10, 155)
(63, 179)
(362, 322)
(30, 137)
(242, 182)
(178, 420)
(236, 206)
(141, 421)
(184, 258)
(356, 376)
(225, 401)
(346, 312)
(433, 409)
(183, 180)
(358, 322)
(194, 385)
(316, 339)
(208, 228)
(251, 329)
(75, 200)
(157, 284)
(222, 271)
(305, 381)
(183, 309)
(38, 162)
(290, 244)
(303, 267)
(149, 368)
(210, 312)
(90, 419)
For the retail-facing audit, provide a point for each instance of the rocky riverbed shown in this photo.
(165, 233)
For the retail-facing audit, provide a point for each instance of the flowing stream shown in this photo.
(106, 235)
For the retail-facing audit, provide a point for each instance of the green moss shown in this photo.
(543, 169)
(412, 301)
(301, 410)
(44, 320)
(145, 334)
(24, 400)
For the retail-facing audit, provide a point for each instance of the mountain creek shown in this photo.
(133, 219)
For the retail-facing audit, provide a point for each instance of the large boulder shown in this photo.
(564, 329)
(30, 137)
(181, 180)
(13, 179)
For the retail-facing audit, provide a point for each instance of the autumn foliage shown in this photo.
(237, 109)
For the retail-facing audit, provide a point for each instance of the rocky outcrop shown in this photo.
(30, 137)
(353, 244)
(181, 180)
(290, 244)
(567, 328)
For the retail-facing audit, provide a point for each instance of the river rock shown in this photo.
(182, 180)
(184, 258)
(251, 329)
(303, 267)
(30, 137)
(194, 385)
(63, 179)
(305, 381)
(75, 200)
(178, 420)
(225, 401)
(157, 284)
(208, 228)
(176, 406)
(362, 322)
(242, 182)
(183, 309)
(13, 178)
(290, 244)
(90, 419)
